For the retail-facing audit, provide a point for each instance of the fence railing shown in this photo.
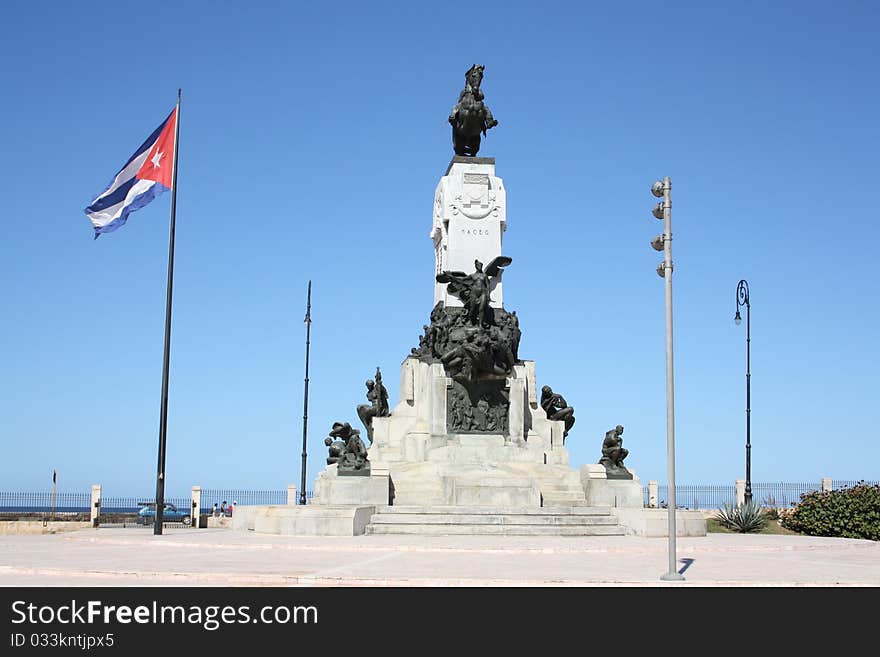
(211, 496)
(712, 496)
(128, 505)
(781, 495)
(44, 502)
(687, 496)
(695, 496)
(14, 503)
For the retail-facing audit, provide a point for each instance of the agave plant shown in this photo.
(744, 518)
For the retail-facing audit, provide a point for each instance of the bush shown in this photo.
(746, 518)
(848, 513)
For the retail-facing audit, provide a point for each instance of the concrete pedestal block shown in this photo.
(601, 491)
(468, 223)
(654, 523)
(243, 518)
(517, 412)
(614, 493)
(496, 492)
(220, 522)
(313, 520)
(360, 491)
(95, 506)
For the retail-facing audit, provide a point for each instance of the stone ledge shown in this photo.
(8, 527)
(224, 522)
(313, 520)
(654, 523)
(464, 159)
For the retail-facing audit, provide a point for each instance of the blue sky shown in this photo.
(312, 138)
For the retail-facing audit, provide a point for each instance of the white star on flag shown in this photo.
(157, 157)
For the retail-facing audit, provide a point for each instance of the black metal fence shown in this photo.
(850, 484)
(696, 496)
(44, 502)
(687, 496)
(211, 496)
(781, 495)
(776, 494)
(67, 502)
(131, 505)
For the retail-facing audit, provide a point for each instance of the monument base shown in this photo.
(312, 520)
(331, 488)
(600, 490)
(418, 461)
(654, 523)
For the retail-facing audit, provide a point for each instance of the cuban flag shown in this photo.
(147, 174)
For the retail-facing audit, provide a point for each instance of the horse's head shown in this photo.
(474, 76)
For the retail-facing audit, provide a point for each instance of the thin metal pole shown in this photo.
(54, 491)
(672, 574)
(748, 495)
(308, 323)
(742, 299)
(163, 415)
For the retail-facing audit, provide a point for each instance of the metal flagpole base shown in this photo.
(672, 577)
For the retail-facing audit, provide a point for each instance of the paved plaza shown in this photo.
(222, 557)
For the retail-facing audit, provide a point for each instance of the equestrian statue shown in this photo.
(470, 117)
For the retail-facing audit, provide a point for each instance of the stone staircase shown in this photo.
(504, 521)
(562, 495)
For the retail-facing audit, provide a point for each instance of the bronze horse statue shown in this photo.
(470, 117)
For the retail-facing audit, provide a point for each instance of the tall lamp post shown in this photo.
(663, 211)
(308, 322)
(742, 299)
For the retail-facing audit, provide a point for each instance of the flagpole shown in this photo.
(163, 417)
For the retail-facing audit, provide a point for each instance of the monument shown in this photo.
(473, 444)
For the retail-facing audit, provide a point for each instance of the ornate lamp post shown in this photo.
(742, 299)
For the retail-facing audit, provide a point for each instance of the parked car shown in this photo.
(147, 514)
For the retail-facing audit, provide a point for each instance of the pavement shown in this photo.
(134, 556)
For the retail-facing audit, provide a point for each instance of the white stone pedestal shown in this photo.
(527, 468)
(313, 520)
(331, 488)
(618, 493)
(654, 523)
(469, 219)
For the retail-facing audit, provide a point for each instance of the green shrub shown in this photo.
(848, 513)
(746, 518)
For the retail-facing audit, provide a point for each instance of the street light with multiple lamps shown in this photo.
(742, 299)
(663, 242)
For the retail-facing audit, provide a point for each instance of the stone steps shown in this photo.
(431, 492)
(481, 519)
(503, 530)
(458, 520)
(560, 486)
(496, 510)
(563, 500)
(562, 493)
